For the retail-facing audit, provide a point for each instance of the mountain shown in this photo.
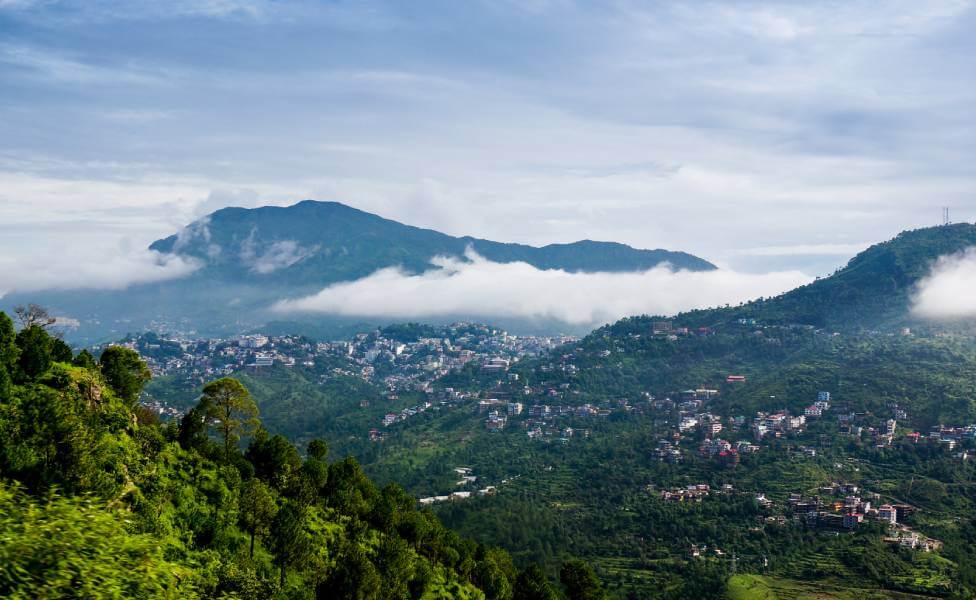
(873, 290)
(251, 258)
(315, 243)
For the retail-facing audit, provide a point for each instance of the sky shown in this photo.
(763, 136)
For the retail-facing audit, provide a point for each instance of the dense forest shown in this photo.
(98, 499)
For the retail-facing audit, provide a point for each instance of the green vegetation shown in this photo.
(99, 500)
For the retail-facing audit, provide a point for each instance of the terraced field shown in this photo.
(759, 587)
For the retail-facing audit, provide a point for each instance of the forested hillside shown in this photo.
(873, 290)
(100, 500)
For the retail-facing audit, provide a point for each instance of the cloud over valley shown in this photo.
(488, 289)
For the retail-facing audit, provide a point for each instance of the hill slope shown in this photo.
(873, 290)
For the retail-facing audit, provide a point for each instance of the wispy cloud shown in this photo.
(949, 291)
(277, 255)
(518, 290)
(106, 268)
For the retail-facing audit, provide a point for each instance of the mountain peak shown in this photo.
(331, 241)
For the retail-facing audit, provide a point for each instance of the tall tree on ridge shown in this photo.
(229, 409)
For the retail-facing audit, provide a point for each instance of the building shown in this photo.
(852, 520)
(888, 514)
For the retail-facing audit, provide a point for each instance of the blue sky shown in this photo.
(759, 135)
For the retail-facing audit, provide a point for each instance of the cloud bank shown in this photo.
(107, 268)
(484, 288)
(949, 291)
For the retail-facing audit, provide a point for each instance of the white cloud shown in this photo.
(280, 255)
(277, 255)
(949, 291)
(518, 290)
(107, 268)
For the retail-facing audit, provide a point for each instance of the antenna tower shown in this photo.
(945, 215)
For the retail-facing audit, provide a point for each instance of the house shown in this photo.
(888, 514)
(735, 379)
(852, 520)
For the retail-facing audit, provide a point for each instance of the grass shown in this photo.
(761, 587)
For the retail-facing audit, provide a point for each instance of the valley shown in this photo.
(663, 450)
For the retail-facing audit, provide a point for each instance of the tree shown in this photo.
(229, 409)
(8, 346)
(492, 577)
(318, 449)
(125, 372)
(580, 581)
(275, 459)
(60, 351)
(8, 354)
(290, 542)
(257, 509)
(6, 383)
(532, 584)
(354, 577)
(33, 315)
(85, 360)
(35, 352)
(193, 428)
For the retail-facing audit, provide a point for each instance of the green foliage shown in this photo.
(228, 408)
(275, 459)
(125, 372)
(35, 352)
(85, 360)
(61, 547)
(119, 506)
(355, 577)
(257, 509)
(580, 581)
(60, 351)
(318, 449)
(532, 584)
(9, 353)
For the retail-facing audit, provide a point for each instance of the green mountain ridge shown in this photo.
(317, 243)
(873, 290)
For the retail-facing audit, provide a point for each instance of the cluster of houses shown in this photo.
(467, 480)
(202, 360)
(843, 507)
(692, 492)
(416, 364)
(948, 437)
(534, 417)
(376, 357)
(406, 413)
